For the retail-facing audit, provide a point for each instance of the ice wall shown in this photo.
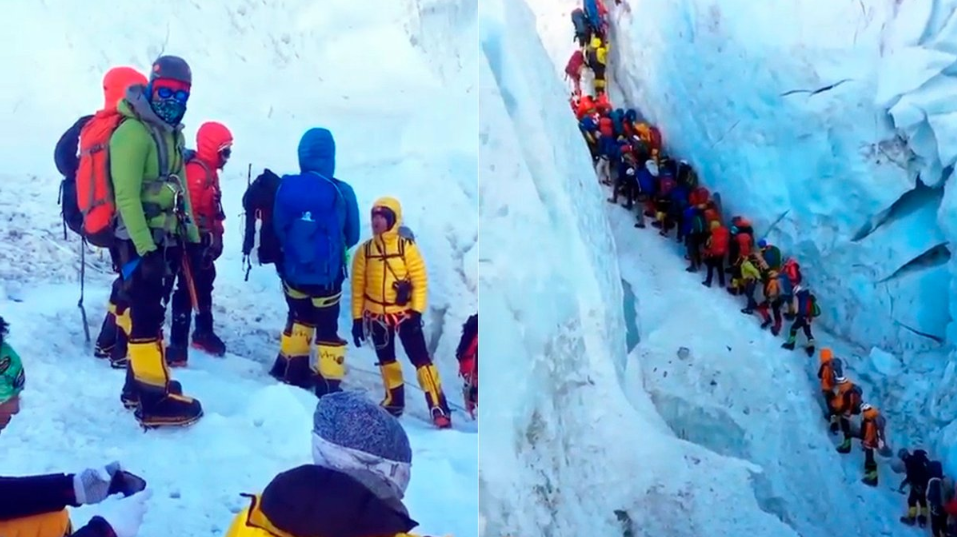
(784, 109)
(830, 123)
(563, 450)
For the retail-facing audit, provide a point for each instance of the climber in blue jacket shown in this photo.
(316, 219)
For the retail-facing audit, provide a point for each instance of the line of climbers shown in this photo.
(591, 33)
(628, 155)
(131, 186)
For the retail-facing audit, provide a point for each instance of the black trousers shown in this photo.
(315, 306)
(715, 263)
(916, 497)
(145, 297)
(411, 336)
(800, 323)
(693, 242)
(204, 276)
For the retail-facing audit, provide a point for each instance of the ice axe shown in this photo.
(190, 283)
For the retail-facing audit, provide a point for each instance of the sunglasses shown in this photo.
(226, 152)
(180, 96)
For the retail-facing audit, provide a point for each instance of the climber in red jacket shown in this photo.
(715, 250)
(213, 148)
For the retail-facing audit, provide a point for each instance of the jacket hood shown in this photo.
(312, 501)
(210, 137)
(317, 152)
(136, 105)
(396, 207)
(115, 83)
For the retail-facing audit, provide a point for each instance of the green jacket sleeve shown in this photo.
(129, 149)
(192, 230)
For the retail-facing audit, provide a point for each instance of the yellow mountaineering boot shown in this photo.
(330, 366)
(292, 363)
(431, 384)
(158, 406)
(124, 323)
(910, 517)
(394, 400)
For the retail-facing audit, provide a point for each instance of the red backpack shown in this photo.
(793, 271)
(94, 186)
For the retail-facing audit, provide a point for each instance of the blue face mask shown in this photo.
(169, 110)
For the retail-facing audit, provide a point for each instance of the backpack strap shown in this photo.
(162, 151)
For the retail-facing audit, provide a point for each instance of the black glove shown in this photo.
(153, 267)
(216, 246)
(358, 332)
(212, 247)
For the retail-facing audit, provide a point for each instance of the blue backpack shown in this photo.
(314, 250)
(591, 13)
(617, 121)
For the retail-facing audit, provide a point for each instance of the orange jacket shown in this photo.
(872, 429)
(847, 399)
(826, 371)
(203, 179)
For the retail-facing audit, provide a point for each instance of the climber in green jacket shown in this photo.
(155, 235)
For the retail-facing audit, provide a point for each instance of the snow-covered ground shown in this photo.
(599, 435)
(394, 81)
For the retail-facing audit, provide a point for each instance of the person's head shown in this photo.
(826, 355)
(214, 143)
(356, 436)
(169, 87)
(386, 215)
(11, 379)
(317, 152)
(115, 83)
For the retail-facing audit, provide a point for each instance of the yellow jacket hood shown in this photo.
(393, 205)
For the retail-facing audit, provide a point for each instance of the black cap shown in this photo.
(171, 67)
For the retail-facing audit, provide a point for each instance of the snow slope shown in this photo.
(578, 444)
(828, 123)
(269, 71)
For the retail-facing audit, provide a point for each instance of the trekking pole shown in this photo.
(246, 262)
(79, 304)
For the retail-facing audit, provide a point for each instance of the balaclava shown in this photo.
(171, 76)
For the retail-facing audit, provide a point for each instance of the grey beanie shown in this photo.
(350, 420)
(172, 67)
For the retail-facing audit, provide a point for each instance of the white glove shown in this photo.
(125, 515)
(93, 484)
